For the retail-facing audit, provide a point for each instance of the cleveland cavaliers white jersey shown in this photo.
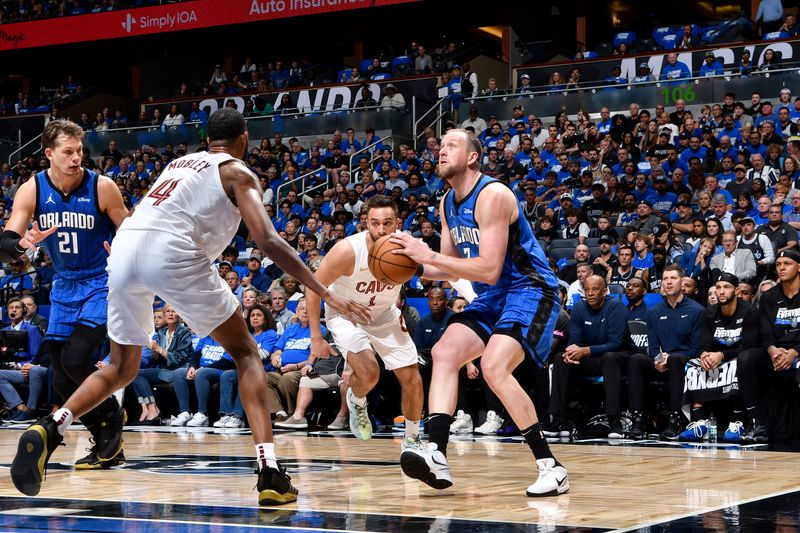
(188, 200)
(363, 288)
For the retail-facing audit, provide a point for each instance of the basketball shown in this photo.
(388, 267)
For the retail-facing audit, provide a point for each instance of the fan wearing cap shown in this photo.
(647, 220)
(782, 235)
(392, 99)
(255, 277)
(779, 310)
(766, 113)
(727, 330)
(597, 204)
(661, 200)
(758, 244)
(711, 66)
(643, 74)
(524, 86)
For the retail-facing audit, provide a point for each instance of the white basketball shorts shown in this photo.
(145, 263)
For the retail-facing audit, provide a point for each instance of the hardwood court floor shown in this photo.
(612, 487)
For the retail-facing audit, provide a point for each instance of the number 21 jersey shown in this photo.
(77, 246)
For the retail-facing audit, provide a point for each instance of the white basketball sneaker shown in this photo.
(427, 464)
(198, 420)
(182, 419)
(553, 480)
(221, 422)
(462, 423)
(491, 425)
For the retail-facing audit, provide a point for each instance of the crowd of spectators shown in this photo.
(661, 205)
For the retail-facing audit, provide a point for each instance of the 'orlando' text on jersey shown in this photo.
(77, 246)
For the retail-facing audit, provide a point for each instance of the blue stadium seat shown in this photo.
(651, 299)
(420, 304)
(291, 305)
(624, 37)
(381, 76)
(775, 35)
(402, 65)
(364, 65)
(660, 33)
(616, 289)
(344, 75)
(669, 42)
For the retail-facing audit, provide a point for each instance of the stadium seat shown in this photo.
(364, 64)
(590, 54)
(616, 289)
(562, 253)
(669, 42)
(564, 243)
(604, 49)
(381, 76)
(624, 37)
(775, 35)
(344, 75)
(645, 45)
(594, 251)
(660, 33)
(592, 242)
(402, 65)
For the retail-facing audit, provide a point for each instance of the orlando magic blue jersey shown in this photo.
(525, 263)
(77, 246)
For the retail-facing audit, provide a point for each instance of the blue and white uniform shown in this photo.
(79, 257)
(523, 302)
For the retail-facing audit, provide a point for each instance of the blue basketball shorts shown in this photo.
(83, 302)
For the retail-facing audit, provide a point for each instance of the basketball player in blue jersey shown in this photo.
(78, 211)
(514, 313)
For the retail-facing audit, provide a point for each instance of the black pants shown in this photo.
(754, 371)
(642, 369)
(73, 361)
(610, 365)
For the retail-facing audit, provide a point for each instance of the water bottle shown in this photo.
(712, 429)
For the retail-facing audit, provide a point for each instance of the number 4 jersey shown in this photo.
(188, 201)
(77, 246)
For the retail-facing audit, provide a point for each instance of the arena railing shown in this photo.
(366, 150)
(591, 97)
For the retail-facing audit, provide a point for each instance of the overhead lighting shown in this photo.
(493, 31)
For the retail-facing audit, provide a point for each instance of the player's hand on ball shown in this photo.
(34, 236)
(320, 349)
(354, 311)
(416, 249)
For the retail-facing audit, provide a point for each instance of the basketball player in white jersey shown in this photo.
(166, 247)
(344, 271)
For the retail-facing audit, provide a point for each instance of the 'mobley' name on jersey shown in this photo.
(198, 165)
(462, 234)
(66, 219)
(372, 287)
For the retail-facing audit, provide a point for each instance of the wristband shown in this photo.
(9, 246)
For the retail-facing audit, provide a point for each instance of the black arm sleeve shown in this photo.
(9, 246)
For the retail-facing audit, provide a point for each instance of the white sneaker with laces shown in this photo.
(182, 419)
(198, 420)
(360, 424)
(491, 425)
(553, 480)
(221, 422)
(340, 422)
(462, 423)
(234, 422)
(293, 423)
(427, 464)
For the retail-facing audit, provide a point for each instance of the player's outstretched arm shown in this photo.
(241, 186)
(494, 212)
(339, 262)
(17, 237)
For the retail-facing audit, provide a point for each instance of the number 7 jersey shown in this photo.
(189, 201)
(77, 246)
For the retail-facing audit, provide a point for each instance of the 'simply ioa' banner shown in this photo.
(171, 17)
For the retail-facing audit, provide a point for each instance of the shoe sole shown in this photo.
(27, 469)
(281, 426)
(415, 467)
(616, 436)
(273, 497)
(560, 490)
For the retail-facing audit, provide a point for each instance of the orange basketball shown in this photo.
(394, 269)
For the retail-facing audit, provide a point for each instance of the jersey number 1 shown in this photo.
(162, 192)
